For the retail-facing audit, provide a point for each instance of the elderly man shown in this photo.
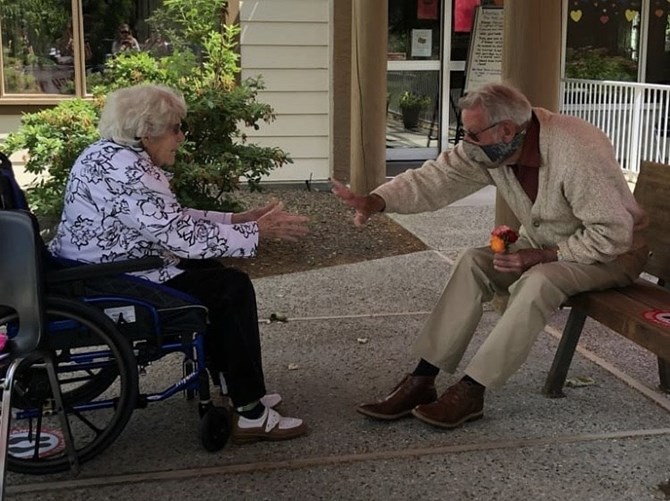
(579, 231)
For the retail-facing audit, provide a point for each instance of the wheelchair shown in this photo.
(79, 336)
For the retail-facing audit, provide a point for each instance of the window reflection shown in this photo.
(45, 53)
(31, 48)
(603, 40)
(658, 46)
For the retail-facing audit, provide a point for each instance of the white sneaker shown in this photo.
(270, 426)
(271, 400)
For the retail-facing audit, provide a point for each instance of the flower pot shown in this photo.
(410, 117)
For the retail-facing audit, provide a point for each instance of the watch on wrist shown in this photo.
(559, 255)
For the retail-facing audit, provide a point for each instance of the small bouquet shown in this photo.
(3, 341)
(501, 237)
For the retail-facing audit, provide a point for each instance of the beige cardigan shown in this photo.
(584, 206)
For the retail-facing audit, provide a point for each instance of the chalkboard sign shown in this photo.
(484, 64)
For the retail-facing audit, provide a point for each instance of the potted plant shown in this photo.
(411, 105)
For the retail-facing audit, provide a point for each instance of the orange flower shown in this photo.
(497, 244)
(501, 237)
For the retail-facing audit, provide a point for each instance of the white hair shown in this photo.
(499, 102)
(139, 111)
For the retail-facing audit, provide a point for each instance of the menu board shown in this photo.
(484, 64)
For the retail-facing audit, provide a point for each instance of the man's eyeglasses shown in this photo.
(125, 32)
(475, 135)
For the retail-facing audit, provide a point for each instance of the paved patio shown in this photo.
(347, 341)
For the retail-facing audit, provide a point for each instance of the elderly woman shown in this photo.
(119, 205)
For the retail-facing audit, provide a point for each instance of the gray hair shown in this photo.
(139, 111)
(499, 102)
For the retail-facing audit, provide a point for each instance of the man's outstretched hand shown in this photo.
(365, 206)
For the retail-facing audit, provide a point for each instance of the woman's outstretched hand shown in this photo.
(253, 214)
(276, 223)
(365, 206)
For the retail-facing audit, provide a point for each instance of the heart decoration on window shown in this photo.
(630, 14)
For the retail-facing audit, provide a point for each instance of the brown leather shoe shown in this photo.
(410, 392)
(461, 402)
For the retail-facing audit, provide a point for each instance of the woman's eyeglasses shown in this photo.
(180, 127)
(475, 135)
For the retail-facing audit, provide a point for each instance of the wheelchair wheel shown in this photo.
(214, 428)
(97, 375)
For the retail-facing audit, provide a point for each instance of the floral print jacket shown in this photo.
(119, 205)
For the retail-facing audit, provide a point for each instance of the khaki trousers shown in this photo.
(533, 297)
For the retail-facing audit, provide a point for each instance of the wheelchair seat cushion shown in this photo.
(140, 309)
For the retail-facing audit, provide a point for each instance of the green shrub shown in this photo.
(411, 101)
(16, 81)
(591, 63)
(54, 139)
(216, 154)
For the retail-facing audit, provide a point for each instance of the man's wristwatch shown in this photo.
(559, 255)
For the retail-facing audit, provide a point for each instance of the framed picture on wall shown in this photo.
(422, 42)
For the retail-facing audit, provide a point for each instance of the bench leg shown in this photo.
(664, 374)
(553, 387)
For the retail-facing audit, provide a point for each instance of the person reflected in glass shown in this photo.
(65, 47)
(156, 44)
(124, 41)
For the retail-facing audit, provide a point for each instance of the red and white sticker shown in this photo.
(660, 317)
(22, 443)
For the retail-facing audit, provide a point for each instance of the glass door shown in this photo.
(426, 74)
(413, 99)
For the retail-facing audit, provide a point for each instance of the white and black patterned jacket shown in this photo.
(119, 205)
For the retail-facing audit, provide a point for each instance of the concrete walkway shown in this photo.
(347, 341)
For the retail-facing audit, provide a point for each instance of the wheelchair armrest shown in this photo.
(102, 270)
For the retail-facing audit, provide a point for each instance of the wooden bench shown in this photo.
(640, 312)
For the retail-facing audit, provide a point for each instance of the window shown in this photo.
(413, 78)
(414, 30)
(603, 40)
(658, 44)
(51, 48)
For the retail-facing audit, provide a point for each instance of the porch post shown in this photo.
(531, 61)
(340, 102)
(368, 94)
(232, 16)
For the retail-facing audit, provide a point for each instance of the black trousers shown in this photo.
(232, 341)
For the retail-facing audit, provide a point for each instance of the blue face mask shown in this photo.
(492, 155)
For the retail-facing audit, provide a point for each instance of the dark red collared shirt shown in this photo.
(526, 169)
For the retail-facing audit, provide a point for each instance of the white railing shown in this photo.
(635, 116)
